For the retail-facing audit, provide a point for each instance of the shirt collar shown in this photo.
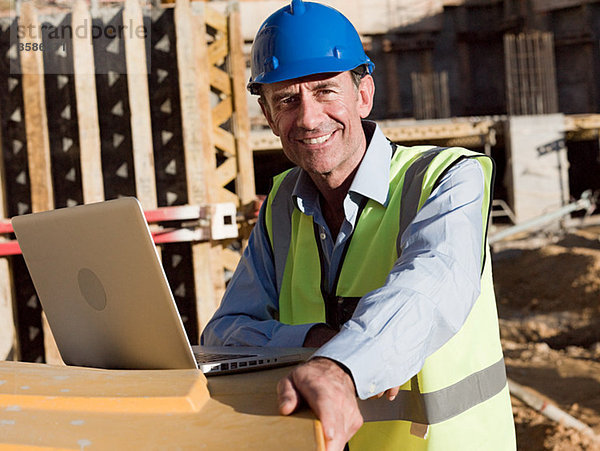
(305, 194)
(371, 179)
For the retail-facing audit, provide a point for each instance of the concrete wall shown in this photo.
(465, 40)
(537, 168)
(368, 16)
(371, 18)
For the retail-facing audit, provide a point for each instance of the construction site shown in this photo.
(518, 80)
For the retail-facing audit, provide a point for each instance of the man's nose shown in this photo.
(309, 113)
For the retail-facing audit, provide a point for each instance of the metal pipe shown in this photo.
(550, 410)
(586, 202)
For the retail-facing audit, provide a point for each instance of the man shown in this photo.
(372, 253)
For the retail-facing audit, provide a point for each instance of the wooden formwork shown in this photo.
(97, 115)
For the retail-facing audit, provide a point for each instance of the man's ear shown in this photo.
(267, 113)
(366, 92)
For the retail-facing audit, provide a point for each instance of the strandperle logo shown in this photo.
(56, 42)
(82, 30)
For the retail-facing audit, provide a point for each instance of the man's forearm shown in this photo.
(240, 330)
(318, 335)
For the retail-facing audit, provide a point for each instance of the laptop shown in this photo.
(103, 289)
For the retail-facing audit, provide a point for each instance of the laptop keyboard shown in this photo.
(209, 357)
(221, 363)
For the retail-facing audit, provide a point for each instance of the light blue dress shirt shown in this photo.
(425, 299)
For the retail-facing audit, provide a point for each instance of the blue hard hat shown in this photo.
(305, 38)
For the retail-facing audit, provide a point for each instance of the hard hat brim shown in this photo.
(307, 67)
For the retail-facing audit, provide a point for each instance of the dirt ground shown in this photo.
(548, 293)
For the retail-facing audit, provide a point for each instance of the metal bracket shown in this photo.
(185, 223)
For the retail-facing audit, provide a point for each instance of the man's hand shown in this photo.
(391, 393)
(329, 391)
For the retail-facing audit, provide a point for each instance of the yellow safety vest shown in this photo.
(460, 397)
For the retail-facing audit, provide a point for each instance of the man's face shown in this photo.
(318, 119)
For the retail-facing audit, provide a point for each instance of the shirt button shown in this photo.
(323, 236)
(372, 388)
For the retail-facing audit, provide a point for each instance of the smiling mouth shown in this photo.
(319, 140)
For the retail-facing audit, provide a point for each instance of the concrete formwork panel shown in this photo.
(537, 169)
(7, 329)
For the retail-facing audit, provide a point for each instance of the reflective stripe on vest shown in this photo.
(410, 405)
(440, 405)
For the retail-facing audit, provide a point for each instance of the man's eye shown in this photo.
(326, 92)
(285, 101)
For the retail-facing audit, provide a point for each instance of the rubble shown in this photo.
(548, 294)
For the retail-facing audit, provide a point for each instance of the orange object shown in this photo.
(58, 407)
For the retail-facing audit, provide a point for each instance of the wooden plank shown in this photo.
(245, 185)
(192, 79)
(215, 19)
(87, 106)
(444, 130)
(139, 101)
(581, 122)
(230, 259)
(400, 131)
(220, 80)
(224, 195)
(217, 51)
(224, 140)
(9, 347)
(38, 144)
(216, 56)
(50, 348)
(226, 172)
(36, 120)
(206, 309)
(192, 59)
(8, 338)
(222, 111)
